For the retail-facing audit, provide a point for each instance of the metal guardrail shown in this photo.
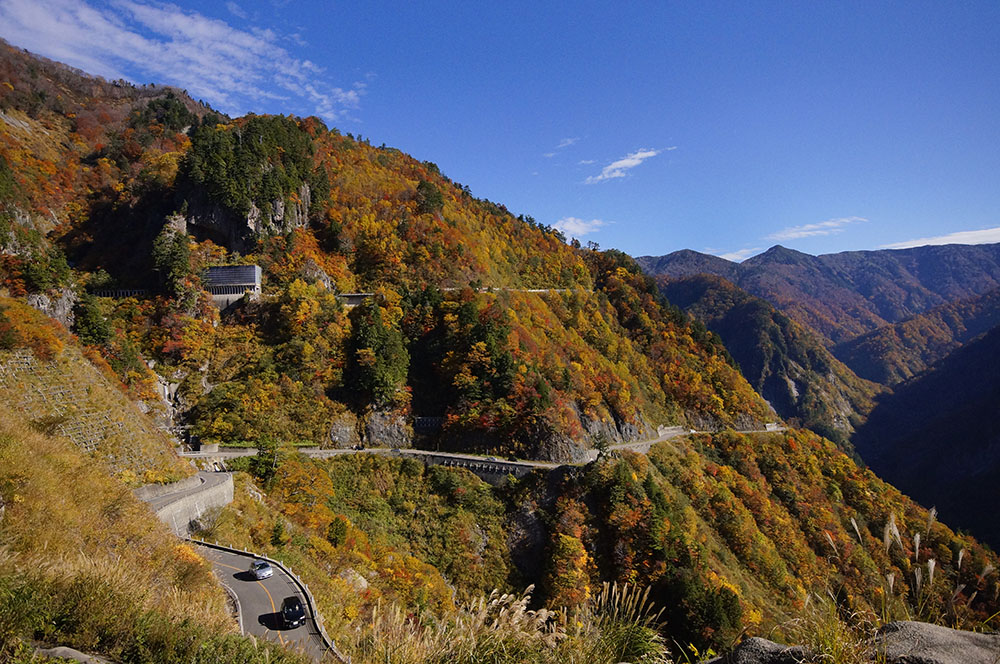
(310, 601)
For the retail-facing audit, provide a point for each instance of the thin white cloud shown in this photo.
(576, 227)
(984, 236)
(233, 69)
(739, 255)
(236, 10)
(587, 162)
(828, 227)
(620, 168)
(563, 144)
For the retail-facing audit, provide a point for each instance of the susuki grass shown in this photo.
(617, 625)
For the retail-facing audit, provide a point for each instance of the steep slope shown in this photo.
(938, 439)
(785, 362)
(731, 532)
(484, 323)
(85, 564)
(488, 323)
(45, 377)
(896, 352)
(844, 295)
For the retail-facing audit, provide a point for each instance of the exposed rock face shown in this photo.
(344, 431)
(560, 448)
(527, 537)
(354, 580)
(756, 650)
(60, 308)
(387, 429)
(312, 272)
(242, 233)
(896, 643)
(922, 643)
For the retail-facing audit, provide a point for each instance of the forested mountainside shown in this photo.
(730, 532)
(896, 352)
(785, 362)
(937, 436)
(116, 200)
(153, 189)
(843, 295)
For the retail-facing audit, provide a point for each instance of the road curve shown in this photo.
(207, 481)
(260, 602)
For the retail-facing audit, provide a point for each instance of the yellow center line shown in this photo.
(269, 598)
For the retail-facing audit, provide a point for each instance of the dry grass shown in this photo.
(84, 563)
(618, 625)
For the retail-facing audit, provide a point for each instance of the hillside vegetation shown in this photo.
(83, 563)
(786, 363)
(730, 532)
(449, 331)
(47, 379)
(499, 335)
(894, 353)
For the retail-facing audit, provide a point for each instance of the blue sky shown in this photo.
(724, 127)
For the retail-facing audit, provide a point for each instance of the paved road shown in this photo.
(208, 480)
(260, 602)
(636, 446)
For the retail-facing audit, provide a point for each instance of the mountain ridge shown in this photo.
(849, 293)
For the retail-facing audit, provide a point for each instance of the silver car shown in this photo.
(261, 569)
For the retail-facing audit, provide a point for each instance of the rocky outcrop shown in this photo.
(896, 643)
(922, 643)
(756, 650)
(386, 428)
(64, 654)
(58, 306)
(344, 431)
(240, 233)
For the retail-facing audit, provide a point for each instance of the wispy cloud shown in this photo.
(235, 10)
(235, 70)
(828, 227)
(563, 144)
(587, 162)
(620, 168)
(984, 236)
(739, 254)
(576, 227)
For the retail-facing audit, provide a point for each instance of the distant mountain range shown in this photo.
(785, 362)
(922, 322)
(896, 352)
(844, 295)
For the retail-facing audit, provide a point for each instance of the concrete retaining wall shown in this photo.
(180, 513)
(151, 491)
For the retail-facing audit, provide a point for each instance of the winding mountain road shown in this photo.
(260, 602)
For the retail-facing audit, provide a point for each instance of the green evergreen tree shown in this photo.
(89, 323)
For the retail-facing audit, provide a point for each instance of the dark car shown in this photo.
(293, 613)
